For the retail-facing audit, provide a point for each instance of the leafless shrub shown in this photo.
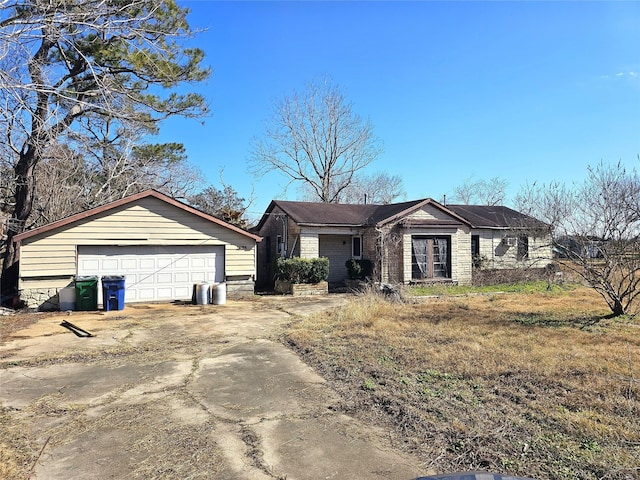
(484, 277)
(596, 229)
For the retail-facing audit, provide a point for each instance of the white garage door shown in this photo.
(154, 272)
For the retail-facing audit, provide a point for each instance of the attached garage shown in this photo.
(154, 272)
(162, 247)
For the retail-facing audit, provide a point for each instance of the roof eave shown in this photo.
(512, 227)
(346, 225)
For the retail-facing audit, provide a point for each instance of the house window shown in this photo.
(356, 247)
(279, 245)
(476, 259)
(430, 257)
(475, 245)
(523, 247)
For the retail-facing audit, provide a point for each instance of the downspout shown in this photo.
(285, 221)
(285, 231)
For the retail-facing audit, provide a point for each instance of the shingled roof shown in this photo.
(495, 216)
(477, 216)
(311, 213)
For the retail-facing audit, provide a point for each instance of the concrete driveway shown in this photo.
(182, 391)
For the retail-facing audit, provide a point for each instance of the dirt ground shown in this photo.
(178, 391)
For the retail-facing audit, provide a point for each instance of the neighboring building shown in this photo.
(417, 241)
(577, 246)
(162, 246)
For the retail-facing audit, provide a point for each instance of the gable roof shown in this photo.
(495, 216)
(127, 200)
(338, 214)
(343, 214)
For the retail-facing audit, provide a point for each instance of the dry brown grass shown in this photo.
(541, 385)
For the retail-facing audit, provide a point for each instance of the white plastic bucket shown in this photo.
(67, 299)
(212, 292)
(220, 296)
(202, 294)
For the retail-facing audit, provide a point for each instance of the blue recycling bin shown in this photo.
(113, 292)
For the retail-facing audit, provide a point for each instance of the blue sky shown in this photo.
(524, 91)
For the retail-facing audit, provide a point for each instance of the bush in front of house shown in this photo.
(302, 270)
(358, 269)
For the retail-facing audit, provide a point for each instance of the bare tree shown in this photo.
(596, 229)
(316, 138)
(63, 186)
(481, 192)
(379, 188)
(70, 181)
(121, 164)
(65, 60)
(224, 203)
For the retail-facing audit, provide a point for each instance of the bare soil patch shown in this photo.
(542, 385)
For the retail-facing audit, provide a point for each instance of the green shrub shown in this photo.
(302, 270)
(358, 269)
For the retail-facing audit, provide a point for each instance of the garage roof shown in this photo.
(130, 199)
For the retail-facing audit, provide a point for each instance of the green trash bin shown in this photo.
(86, 293)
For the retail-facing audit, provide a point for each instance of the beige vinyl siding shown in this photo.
(47, 259)
(240, 262)
(148, 221)
(429, 212)
(51, 283)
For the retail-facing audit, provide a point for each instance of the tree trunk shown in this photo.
(617, 308)
(9, 280)
(25, 186)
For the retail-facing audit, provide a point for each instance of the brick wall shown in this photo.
(309, 245)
